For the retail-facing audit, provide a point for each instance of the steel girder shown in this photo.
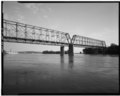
(25, 33)
(87, 42)
(15, 31)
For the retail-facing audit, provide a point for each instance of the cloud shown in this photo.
(6, 16)
(42, 10)
(33, 7)
(38, 8)
(49, 9)
(20, 18)
(45, 16)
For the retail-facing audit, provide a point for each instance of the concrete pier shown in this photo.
(61, 50)
(71, 52)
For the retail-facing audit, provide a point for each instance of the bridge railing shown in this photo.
(20, 31)
(85, 41)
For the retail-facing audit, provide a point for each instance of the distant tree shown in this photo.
(51, 52)
(112, 49)
(88, 51)
(113, 45)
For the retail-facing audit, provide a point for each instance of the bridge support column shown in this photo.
(71, 50)
(61, 50)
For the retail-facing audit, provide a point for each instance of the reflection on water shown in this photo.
(62, 61)
(71, 62)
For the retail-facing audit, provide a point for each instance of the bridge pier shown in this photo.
(71, 50)
(61, 50)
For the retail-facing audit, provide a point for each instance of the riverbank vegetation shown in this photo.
(113, 49)
(53, 52)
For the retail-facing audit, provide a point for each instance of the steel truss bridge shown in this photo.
(25, 33)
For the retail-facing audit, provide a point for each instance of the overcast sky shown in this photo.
(95, 20)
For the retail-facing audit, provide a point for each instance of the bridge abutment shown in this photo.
(71, 50)
(61, 50)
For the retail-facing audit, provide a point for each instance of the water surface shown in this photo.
(51, 73)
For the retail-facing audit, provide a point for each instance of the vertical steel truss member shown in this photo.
(85, 41)
(68, 38)
(73, 39)
(25, 32)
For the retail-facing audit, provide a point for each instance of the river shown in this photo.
(51, 73)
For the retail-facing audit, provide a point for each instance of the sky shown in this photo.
(95, 20)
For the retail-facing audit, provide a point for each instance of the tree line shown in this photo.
(113, 49)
